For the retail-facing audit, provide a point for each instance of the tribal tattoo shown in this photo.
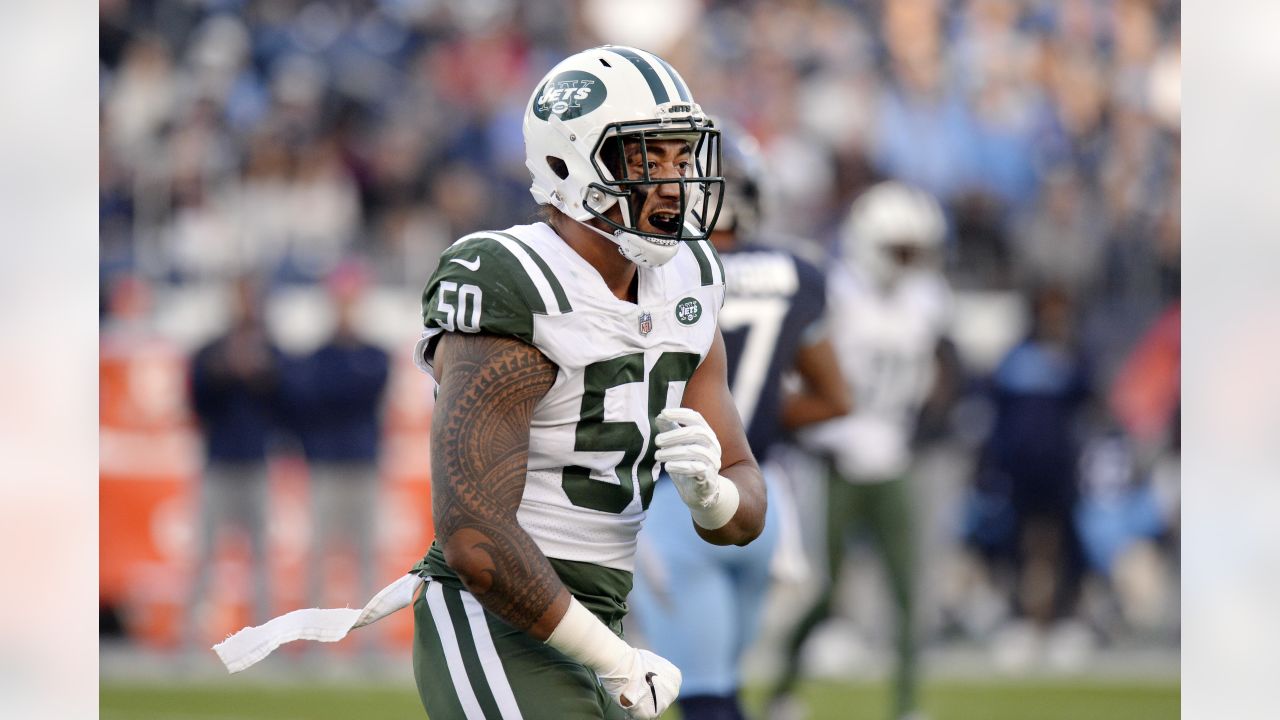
(489, 387)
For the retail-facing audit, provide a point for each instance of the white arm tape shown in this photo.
(722, 510)
(582, 636)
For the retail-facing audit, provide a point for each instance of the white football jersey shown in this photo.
(591, 462)
(886, 343)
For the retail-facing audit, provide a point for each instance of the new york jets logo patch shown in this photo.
(570, 94)
(688, 311)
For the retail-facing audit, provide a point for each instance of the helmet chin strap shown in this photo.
(635, 248)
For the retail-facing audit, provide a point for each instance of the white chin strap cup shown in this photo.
(643, 251)
(637, 248)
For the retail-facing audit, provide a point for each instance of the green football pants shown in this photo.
(882, 510)
(470, 665)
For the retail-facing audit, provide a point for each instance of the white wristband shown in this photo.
(582, 636)
(721, 510)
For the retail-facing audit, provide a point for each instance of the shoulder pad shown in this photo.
(494, 283)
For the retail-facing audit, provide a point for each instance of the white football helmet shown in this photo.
(889, 223)
(574, 128)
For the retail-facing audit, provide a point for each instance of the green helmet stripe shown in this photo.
(649, 72)
(676, 80)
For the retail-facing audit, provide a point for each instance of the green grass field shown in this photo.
(1030, 700)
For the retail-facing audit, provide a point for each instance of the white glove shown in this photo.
(690, 453)
(641, 682)
(644, 684)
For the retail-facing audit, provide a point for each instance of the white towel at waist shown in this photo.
(245, 648)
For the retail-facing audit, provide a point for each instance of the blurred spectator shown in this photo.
(1040, 391)
(324, 210)
(142, 96)
(335, 395)
(1060, 243)
(115, 210)
(235, 396)
(925, 133)
(260, 200)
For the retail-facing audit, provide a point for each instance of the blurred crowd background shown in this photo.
(283, 175)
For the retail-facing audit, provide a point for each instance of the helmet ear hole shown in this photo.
(558, 167)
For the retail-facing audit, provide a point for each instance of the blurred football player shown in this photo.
(773, 321)
(572, 356)
(892, 305)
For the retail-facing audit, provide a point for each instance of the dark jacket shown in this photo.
(335, 398)
(238, 412)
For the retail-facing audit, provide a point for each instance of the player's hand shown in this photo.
(690, 453)
(644, 684)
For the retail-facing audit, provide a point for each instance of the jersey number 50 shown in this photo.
(467, 313)
(595, 434)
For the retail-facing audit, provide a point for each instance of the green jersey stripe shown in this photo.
(704, 263)
(561, 299)
(649, 72)
(715, 255)
(470, 656)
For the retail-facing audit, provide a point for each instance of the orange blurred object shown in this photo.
(150, 461)
(1148, 388)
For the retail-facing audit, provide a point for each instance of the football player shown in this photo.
(773, 321)
(893, 306)
(572, 356)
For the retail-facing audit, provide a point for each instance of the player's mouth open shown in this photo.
(667, 222)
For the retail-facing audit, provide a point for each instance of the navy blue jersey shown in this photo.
(774, 305)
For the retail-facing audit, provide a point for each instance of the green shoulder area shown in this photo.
(492, 283)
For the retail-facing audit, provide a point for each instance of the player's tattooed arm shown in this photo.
(479, 455)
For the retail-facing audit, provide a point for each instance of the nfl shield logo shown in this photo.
(646, 323)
